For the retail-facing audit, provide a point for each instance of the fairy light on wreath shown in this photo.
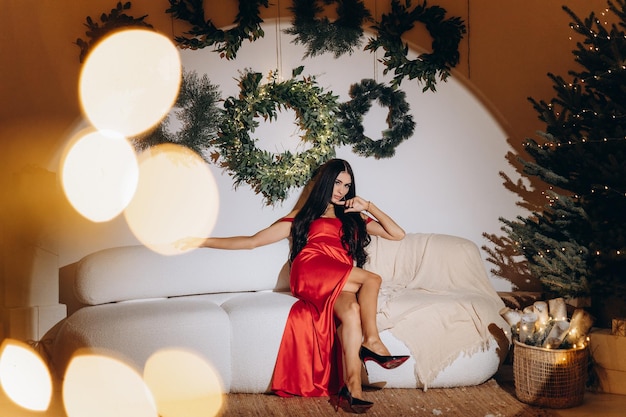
(401, 124)
(319, 35)
(274, 174)
(446, 34)
(204, 33)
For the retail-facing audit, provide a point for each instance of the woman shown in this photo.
(336, 296)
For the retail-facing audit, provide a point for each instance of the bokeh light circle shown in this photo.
(130, 81)
(99, 174)
(176, 197)
(24, 376)
(101, 386)
(183, 384)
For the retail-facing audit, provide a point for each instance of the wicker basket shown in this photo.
(553, 378)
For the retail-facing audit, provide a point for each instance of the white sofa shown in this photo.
(230, 307)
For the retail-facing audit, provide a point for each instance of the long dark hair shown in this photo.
(354, 237)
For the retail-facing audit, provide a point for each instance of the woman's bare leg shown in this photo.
(366, 285)
(350, 335)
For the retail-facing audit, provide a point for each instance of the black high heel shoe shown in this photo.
(347, 402)
(387, 362)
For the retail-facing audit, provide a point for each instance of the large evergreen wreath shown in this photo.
(446, 34)
(320, 35)
(401, 124)
(204, 33)
(274, 174)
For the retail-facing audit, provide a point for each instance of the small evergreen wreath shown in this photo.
(204, 33)
(446, 34)
(320, 35)
(401, 124)
(273, 174)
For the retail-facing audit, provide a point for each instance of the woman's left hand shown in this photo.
(356, 204)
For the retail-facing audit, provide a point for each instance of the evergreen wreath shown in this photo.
(114, 20)
(400, 122)
(446, 34)
(320, 35)
(204, 33)
(273, 174)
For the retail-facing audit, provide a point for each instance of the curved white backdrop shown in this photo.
(444, 179)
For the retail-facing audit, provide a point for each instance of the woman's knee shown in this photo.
(349, 310)
(374, 279)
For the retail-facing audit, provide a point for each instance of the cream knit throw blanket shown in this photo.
(436, 298)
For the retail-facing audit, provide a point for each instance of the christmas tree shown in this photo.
(574, 243)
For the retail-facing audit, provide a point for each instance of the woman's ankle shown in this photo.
(377, 346)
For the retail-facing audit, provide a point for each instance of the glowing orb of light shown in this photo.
(24, 376)
(101, 386)
(183, 384)
(130, 81)
(176, 197)
(99, 174)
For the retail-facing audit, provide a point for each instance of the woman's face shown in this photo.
(343, 182)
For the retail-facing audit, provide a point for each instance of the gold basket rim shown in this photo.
(541, 348)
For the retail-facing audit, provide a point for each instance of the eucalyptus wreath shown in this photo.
(400, 122)
(197, 111)
(274, 174)
(320, 35)
(204, 33)
(446, 34)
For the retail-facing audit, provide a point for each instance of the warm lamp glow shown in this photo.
(183, 384)
(24, 376)
(130, 81)
(100, 386)
(99, 174)
(176, 197)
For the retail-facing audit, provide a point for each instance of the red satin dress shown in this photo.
(309, 359)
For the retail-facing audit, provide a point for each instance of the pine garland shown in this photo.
(274, 174)
(401, 124)
(320, 35)
(204, 33)
(446, 34)
(197, 110)
(114, 20)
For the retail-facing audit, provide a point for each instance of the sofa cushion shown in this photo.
(257, 323)
(135, 330)
(136, 272)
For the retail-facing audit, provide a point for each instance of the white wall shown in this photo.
(444, 179)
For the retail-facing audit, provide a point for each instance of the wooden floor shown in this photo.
(461, 402)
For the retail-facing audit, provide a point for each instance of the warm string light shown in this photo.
(540, 253)
(584, 140)
(572, 143)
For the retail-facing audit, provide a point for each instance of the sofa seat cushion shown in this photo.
(257, 323)
(135, 330)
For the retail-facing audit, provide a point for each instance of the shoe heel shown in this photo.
(346, 401)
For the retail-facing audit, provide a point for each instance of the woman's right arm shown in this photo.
(277, 231)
